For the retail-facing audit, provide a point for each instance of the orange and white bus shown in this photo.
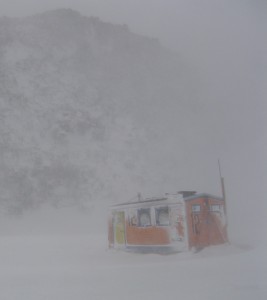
(173, 223)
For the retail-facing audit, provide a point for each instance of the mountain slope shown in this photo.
(82, 105)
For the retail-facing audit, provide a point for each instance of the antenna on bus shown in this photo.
(223, 194)
(222, 180)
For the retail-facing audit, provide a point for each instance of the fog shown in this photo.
(224, 45)
(146, 96)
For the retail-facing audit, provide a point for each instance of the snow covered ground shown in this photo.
(37, 266)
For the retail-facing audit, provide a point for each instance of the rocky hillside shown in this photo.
(85, 108)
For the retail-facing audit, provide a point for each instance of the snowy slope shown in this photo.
(57, 267)
(63, 255)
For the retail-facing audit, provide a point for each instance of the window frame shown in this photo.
(157, 213)
(218, 210)
(142, 211)
(194, 210)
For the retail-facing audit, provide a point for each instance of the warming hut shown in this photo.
(172, 223)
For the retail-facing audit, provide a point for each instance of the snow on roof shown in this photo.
(203, 195)
(168, 199)
(147, 200)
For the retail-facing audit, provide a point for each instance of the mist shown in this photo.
(102, 100)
